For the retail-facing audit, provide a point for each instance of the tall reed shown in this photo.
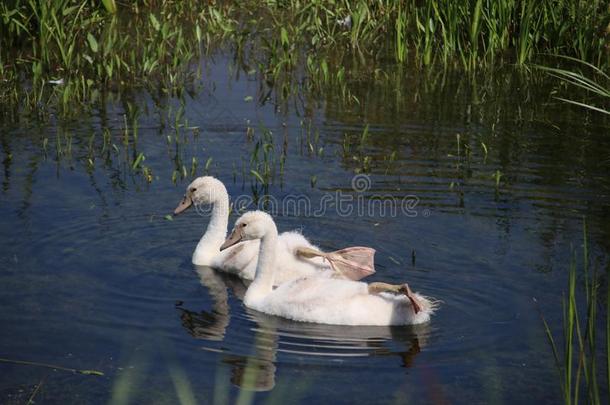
(90, 47)
(577, 359)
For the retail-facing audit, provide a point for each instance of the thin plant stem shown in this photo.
(53, 366)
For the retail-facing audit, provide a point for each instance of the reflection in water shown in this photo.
(211, 325)
(254, 369)
(256, 372)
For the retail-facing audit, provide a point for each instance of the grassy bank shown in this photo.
(89, 47)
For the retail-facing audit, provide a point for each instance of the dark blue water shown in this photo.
(93, 276)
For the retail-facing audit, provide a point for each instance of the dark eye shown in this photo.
(243, 225)
(193, 189)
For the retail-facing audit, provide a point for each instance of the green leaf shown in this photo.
(91, 372)
(198, 33)
(207, 164)
(591, 107)
(169, 217)
(68, 10)
(258, 176)
(154, 22)
(138, 160)
(284, 36)
(92, 42)
(325, 69)
(110, 6)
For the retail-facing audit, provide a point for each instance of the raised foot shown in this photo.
(376, 288)
(406, 290)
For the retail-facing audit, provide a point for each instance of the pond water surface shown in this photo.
(496, 178)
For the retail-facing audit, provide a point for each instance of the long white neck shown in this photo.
(262, 284)
(209, 244)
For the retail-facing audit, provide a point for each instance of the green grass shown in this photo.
(578, 354)
(90, 50)
(595, 82)
(94, 47)
(68, 57)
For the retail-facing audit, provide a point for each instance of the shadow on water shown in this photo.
(253, 366)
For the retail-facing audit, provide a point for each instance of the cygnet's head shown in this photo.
(203, 190)
(251, 225)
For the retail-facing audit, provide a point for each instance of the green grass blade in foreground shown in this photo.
(595, 68)
(549, 335)
(109, 5)
(580, 337)
(591, 107)
(182, 385)
(578, 79)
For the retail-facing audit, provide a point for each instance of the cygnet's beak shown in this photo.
(234, 238)
(184, 204)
